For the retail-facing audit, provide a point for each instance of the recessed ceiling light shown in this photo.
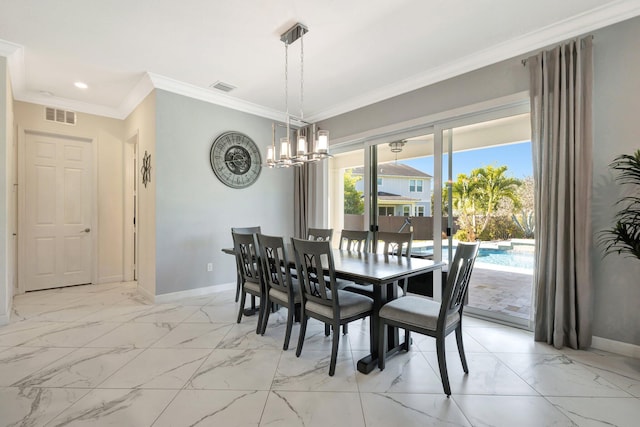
(81, 85)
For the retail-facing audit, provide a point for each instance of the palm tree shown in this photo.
(476, 197)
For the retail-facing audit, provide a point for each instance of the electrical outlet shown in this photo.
(210, 267)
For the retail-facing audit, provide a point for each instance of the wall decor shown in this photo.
(146, 168)
(235, 159)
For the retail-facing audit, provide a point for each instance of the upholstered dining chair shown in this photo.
(247, 253)
(387, 243)
(243, 230)
(355, 240)
(425, 316)
(320, 234)
(280, 287)
(321, 299)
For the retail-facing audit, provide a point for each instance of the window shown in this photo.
(406, 210)
(379, 182)
(385, 211)
(415, 185)
(419, 210)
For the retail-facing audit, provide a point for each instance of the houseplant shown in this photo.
(624, 237)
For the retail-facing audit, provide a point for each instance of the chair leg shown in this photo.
(407, 340)
(442, 364)
(334, 349)
(238, 286)
(303, 330)
(327, 330)
(287, 335)
(345, 328)
(463, 359)
(262, 309)
(265, 315)
(242, 301)
(382, 344)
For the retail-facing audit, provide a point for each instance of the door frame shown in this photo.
(22, 141)
(130, 238)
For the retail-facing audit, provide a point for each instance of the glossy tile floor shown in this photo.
(98, 355)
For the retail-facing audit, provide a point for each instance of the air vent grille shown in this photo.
(59, 116)
(225, 87)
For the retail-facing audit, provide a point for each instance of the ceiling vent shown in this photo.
(59, 116)
(225, 87)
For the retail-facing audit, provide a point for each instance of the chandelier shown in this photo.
(308, 148)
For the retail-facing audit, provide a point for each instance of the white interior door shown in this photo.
(57, 212)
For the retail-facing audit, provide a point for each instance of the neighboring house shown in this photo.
(402, 190)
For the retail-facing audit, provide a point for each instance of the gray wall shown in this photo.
(194, 210)
(501, 79)
(616, 113)
(616, 108)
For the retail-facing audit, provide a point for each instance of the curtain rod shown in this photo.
(524, 61)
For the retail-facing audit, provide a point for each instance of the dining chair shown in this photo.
(320, 234)
(321, 299)
(243, 230)
(387, 243)
(425, 316)
(394, 243)
(246, 249)
(355, 240)
(280, 287)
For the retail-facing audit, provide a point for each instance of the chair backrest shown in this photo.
(246, 230)
(395, 243)
(275, 270)
(355, 240)
(458, 280)
(247, 255)
(320, 234)
(316, 271)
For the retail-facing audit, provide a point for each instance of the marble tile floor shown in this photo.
(99, 355)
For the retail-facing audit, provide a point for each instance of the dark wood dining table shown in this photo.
(383, 272)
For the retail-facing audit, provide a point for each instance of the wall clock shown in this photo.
(235, 159)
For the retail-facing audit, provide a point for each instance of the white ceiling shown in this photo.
(356, 52)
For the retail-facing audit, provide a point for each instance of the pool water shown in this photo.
(508, 258)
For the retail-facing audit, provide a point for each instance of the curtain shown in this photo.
(301, 201)
(561, 85)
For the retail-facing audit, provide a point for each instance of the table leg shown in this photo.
(381, 294)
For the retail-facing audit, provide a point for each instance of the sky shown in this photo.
(517, 158)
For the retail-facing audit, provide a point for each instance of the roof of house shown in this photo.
(390, 197)
(394, 169)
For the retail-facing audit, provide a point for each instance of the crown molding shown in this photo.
(575, 26)
(15, 63)
(597, 18)
(208, 95)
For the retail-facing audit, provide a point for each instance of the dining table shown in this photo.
(384, 272)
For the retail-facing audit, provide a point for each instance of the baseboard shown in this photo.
(146, 294)
(618, 347)
(189, 293)
(110, 279)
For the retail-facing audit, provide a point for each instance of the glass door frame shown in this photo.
(437, 125)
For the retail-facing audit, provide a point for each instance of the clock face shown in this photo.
(235, 159)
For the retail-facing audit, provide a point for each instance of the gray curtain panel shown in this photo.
(301, 201)
(562, 139)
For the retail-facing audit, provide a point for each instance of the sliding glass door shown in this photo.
(464, 179)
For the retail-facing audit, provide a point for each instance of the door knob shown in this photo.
(86, 230)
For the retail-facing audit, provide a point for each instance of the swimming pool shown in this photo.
(507, 258)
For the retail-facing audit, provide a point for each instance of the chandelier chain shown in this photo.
(286, 77)
(302, 76)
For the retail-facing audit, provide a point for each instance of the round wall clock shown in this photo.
(235, 159)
